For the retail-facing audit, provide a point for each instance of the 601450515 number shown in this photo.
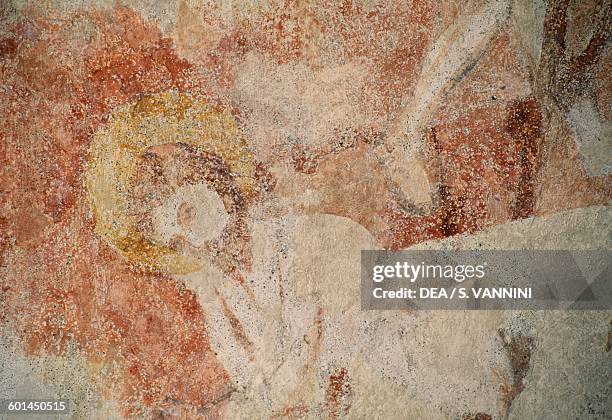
(33, 406)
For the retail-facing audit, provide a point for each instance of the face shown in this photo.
(170, 192)
(177, 205)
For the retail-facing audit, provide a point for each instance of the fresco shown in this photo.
(186, 186)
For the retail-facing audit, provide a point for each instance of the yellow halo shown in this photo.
(164, 118)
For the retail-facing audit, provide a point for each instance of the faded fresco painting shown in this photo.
(186, 187)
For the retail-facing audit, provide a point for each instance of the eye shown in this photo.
(168, 166)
